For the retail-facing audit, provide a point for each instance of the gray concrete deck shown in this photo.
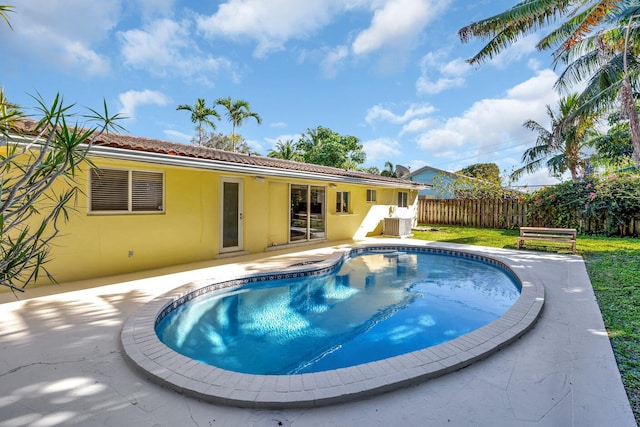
(62, 362)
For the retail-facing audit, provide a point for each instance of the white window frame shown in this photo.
(403, 199)
(343, 202)
(371, 195)
(130, 191)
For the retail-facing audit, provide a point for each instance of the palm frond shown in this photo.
(509, 26)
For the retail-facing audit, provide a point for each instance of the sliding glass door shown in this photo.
(307, 212)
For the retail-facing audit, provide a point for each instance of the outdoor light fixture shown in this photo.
(259, 179)
(332, 185)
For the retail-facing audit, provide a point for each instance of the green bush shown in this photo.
(606, 204)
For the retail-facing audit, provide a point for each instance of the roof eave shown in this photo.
(225, 166)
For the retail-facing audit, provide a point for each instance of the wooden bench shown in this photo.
(564, 235)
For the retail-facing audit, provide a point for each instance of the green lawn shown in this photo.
(614, 269)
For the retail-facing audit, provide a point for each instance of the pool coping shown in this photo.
(159, 363)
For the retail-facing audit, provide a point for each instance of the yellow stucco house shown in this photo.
(150, 203)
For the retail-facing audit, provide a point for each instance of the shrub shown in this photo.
(606, 204)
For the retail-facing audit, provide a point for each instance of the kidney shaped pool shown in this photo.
(371, 306)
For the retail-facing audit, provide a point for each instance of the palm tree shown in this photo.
(528, 16)
(562, 146)
(285, 150)
(606, 58)
(237, 112)
(389, 170)
(200, 114)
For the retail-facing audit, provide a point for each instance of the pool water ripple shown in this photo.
(326, 374)
(368, 308)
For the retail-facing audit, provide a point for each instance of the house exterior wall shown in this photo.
(441, 184)
(92, 245)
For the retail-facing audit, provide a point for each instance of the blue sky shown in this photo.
(390, 72)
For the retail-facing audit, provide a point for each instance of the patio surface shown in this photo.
(62, 362)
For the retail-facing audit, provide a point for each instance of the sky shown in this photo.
(393, 73)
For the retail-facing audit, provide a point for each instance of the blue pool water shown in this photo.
(372, 306)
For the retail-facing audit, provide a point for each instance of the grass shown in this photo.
(613, 265)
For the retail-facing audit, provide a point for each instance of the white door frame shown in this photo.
(240, 217)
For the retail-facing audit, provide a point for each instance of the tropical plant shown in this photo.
(286, 150)
(9, 115)
(373, 170)
(613, 148)
(606, 57)
(223, 142)
(608, 204)
(200, 115)
(563, 146)
(485, 171)
(322, 146)
(466, 187)
(237, 112)
(389, 170)
(3, 14)
(31, 210)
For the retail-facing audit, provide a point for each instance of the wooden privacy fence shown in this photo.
(482, 213)
(490, 213)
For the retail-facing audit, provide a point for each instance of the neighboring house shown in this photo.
(150, 203)
(440, 180)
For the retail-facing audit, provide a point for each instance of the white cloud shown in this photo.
(418, 125)
(489, 122)
(165, 47)
(379, 113)
(132, 99)
(270, 24)
(333, 60)
(278, 125)
(396, 22)
(381, 149)
(45, 29)
(152, 8)
(516, 51)
(446, 75)
(175, 135)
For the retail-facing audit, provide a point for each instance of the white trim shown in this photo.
(240, 245)
(129, 210)
(224, 166)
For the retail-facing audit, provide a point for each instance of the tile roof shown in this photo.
(136, 143)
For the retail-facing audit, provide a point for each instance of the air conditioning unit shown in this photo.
(397, 227)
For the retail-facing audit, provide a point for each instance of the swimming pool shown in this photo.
(158, 362)
(372, 305)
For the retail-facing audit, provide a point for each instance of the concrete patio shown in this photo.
(62, 363)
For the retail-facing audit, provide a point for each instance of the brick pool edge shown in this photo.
(159, 363)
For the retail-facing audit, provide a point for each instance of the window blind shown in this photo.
(118, 190)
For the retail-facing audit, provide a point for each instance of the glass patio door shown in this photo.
(231, 225)
(307, 212)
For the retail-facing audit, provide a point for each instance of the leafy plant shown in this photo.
(484, 171)
(322, 146)
(200, 116)
(34, 157)
(612, 202)
(237, 112)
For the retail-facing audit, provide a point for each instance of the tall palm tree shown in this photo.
(237, 112)
(285, 150)
(562, 146)
(200, 114)
(607, 58)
